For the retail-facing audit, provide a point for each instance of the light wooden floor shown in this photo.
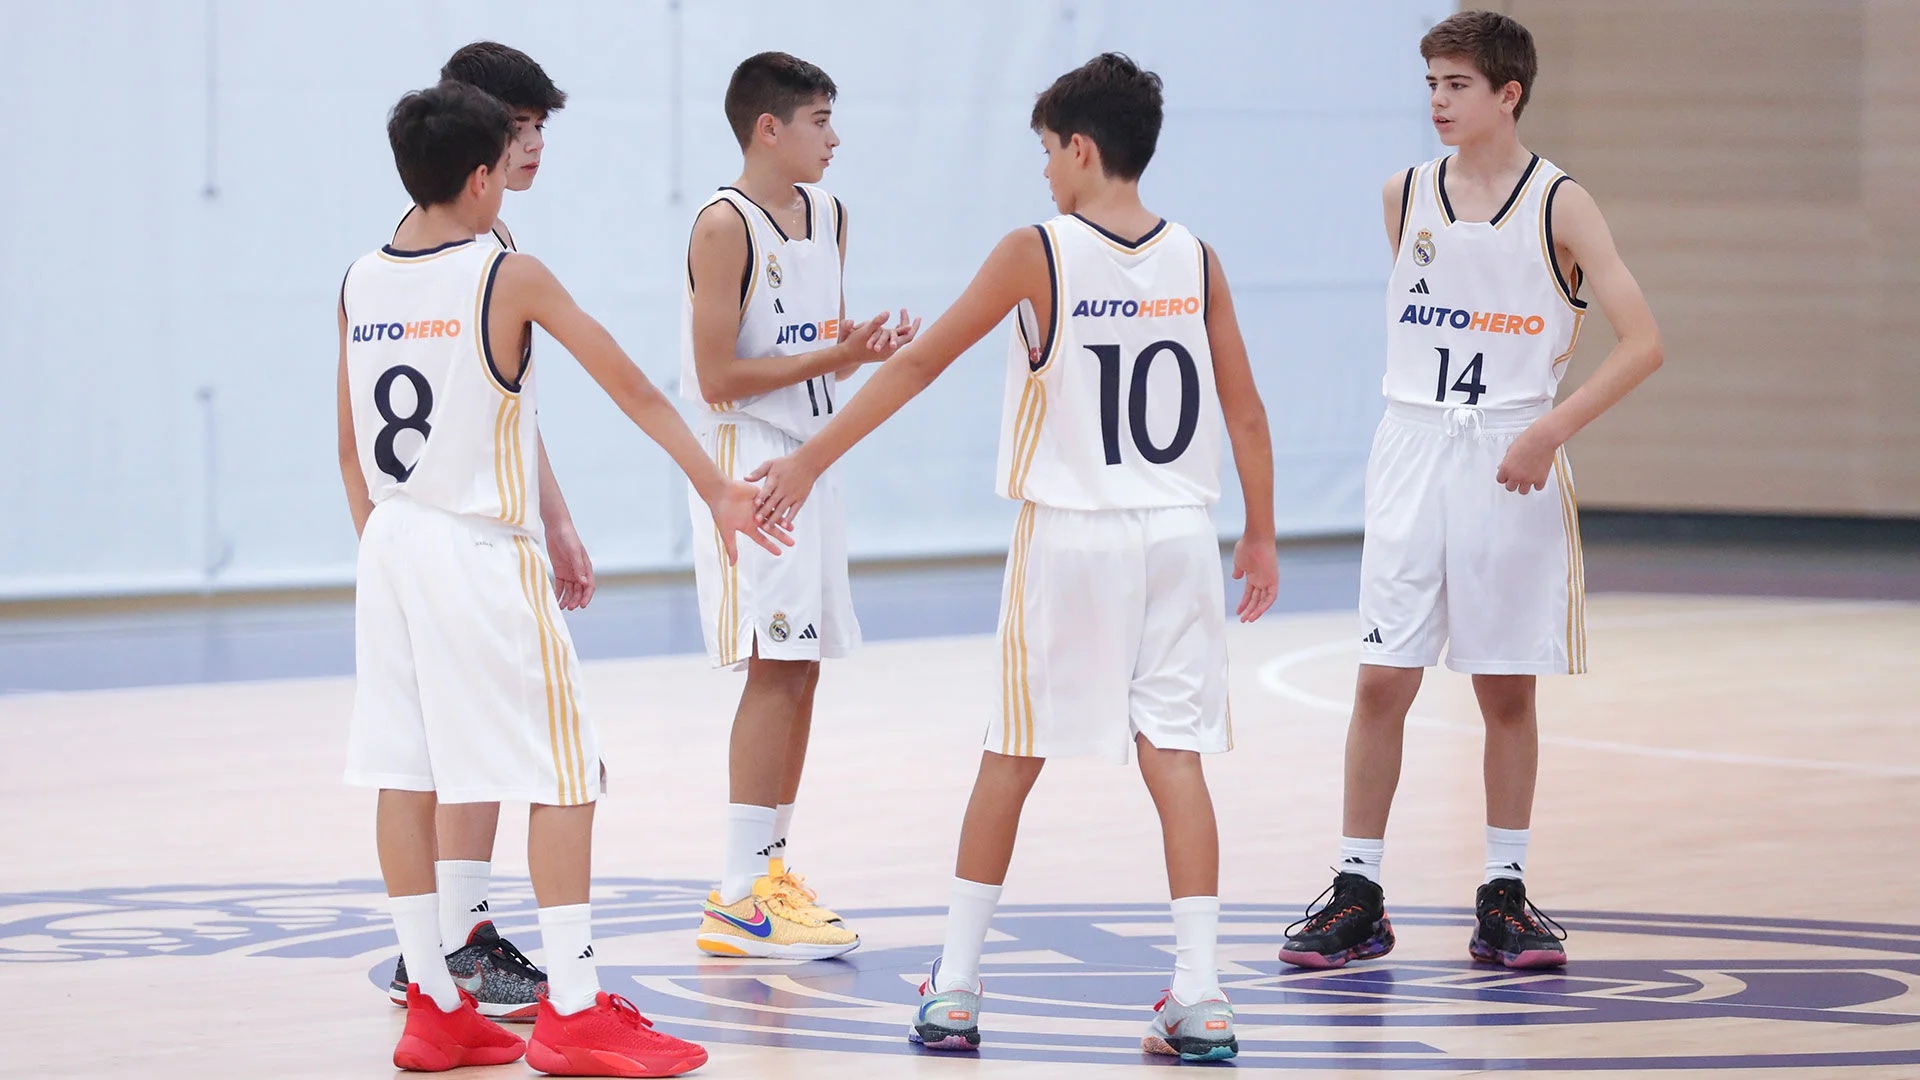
(186, 887)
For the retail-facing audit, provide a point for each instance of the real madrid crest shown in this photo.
(773, 271)
(1422, 248)
(778, 629)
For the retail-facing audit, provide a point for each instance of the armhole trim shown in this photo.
(1406, 205)
(1552, 254)
(511, 386)
(1053, 290)
(839, 222)
(1206, 279)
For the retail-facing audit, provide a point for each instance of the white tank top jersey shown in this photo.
(1113, 406)
(1478, 313)
(433, 416)
(789, 304)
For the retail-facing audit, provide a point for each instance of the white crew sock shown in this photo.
(969, 913)
(749, 831)
(573, 981)
(1507, 853)
(782, 823)
(416, 922)
(462, 885)
(1196, 938)
(1361, 856)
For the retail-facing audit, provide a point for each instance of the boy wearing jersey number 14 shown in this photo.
(1472, 536)
(764, 340)
(466, 685)
(1125, 353)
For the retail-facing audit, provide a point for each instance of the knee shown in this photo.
(1505, 701)
(1382, 694)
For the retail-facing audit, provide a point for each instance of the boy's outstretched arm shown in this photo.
(526, 291)
(1578, 226)
(1016, 270)
(1253, 556)
(715, 258)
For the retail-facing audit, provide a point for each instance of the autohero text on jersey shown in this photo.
(1492, 322)
(393, 331)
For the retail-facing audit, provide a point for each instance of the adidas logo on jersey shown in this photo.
(1420, 286)
(808, 634)
(1373, 638)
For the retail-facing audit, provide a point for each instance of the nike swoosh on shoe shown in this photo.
(760, 927)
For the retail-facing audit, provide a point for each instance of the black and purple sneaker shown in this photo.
(1351, 925)
(1508, 930)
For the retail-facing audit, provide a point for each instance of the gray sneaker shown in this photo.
(948, 1020)
(504, 983)
(1202, 1031)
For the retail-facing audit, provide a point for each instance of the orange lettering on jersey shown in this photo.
(1480, 320)
(1497, 323)
(1535, 324)
(831, 330)
(1513, 324)
(1193, 305)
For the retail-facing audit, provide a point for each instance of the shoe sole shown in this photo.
(730, 945)
(1191, 1049)
(418, 1055)
(1525, 960)
(1379, 944)
(492, 1010)
(939, 1038)
(585, 1061)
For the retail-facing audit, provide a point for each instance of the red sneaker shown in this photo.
(436, 1041)
(610, 1039)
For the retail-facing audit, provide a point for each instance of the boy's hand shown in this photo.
(572, 570)
(1529, 461)
(1259, 564)
(733, 511)
(785, 484)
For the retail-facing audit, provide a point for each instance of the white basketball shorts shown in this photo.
(1112, 623)
(793, 606)
(466, 682)
(1452, 558)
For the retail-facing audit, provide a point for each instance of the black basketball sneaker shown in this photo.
(504, 983)
(1508, 930)
(1351, 925)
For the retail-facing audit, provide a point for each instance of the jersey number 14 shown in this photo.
(1469, 382)
(1109, 356)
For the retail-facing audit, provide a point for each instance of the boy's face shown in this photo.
(523, 150)
(805, 144)
(1465, 104)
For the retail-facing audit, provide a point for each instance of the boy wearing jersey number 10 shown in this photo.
(466, 685)
(1112, 626)
(764, 340)
(1472, 537)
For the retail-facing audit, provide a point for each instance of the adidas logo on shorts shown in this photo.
(1373, 638)
(808, 634)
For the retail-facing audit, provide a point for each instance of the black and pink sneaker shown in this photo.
(1351, 925)
(1508, 930)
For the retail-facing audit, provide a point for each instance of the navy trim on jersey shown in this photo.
(1553, 254)
(1123, 242)
(776, 225)
(1406, 205)
(746, 275)
(505, 241)
(398, 254)
(403, 219)
(1206, 280)
(511, 386)
(808, 199)
(1446, 204)
(839, 221)
(1053, 290)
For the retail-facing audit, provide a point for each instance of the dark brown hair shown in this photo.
(775, 84)
(1110, 101)
(506, 73)
(1497, 46)
(440, 135)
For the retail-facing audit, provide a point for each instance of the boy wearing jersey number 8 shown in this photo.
(1112, 628)
(466, 683)
(508, 984)
(764, 341)
(1472, 535)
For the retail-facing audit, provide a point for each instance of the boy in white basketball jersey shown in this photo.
(509, 983)
(761, 351)
(466, 683)
(1472, 535)
(1124, 354)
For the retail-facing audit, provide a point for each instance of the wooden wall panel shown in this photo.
(1759, 162)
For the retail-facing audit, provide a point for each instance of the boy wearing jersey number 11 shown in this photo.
(1124, 354)
(1472, 534)
(764, 341)
(466, 685)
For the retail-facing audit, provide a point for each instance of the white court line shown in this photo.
(1273, 673)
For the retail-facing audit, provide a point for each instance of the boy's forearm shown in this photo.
(1624, 369)
(553, 504)
(740, 377)
(646, 406)
(897, 382)
(358, 504)
(1253, 460)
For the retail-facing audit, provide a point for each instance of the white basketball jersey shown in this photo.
(789, 304)
(1113, 407)
(433, 417)
(1477, 311)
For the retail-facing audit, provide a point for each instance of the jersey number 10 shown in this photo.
(1109, 356)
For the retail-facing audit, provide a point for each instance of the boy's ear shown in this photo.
(767, 127)
(1510, 96)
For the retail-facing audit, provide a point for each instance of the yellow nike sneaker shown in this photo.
(795, 886)
(770, 924)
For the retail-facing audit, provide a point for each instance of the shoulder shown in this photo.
(719, 220)
(1570, 207)
(1396, 185)
(517, 270)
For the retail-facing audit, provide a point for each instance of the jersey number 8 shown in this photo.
(1109, 356)
(383, 455)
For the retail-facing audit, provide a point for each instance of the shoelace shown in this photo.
(627, 1011)
(1318, 921)
(508, 956)
(1521, 913)
(795, 885)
